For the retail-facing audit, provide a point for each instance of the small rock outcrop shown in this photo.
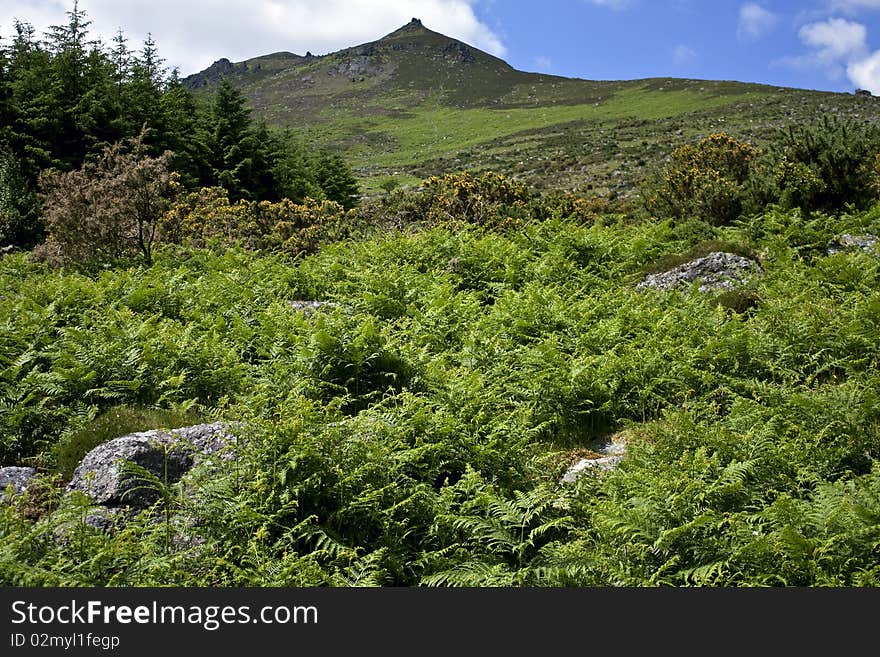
(611, 453)
(17, 477)
(307, 308)
(102, 474)
(867, 243)
(583, 466)
(211, 75)
(716, 271)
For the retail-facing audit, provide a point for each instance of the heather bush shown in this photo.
(109, 209)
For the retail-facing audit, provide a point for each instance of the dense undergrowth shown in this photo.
(416, 433)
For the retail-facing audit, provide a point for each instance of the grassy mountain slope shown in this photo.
(417, 103)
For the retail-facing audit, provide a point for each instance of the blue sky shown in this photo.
(831, 45)
(815, 44)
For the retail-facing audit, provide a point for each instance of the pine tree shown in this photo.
(295, 171)
(99, 115)
(20, 225)
(243, 157)
(5, 93)
(69, 47)
(265, 152)
(180, 118)
(336, 179)
(144, 89)
(228, 131)
(121, 58)
(34, 112)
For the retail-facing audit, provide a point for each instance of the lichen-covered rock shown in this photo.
(716, 271)
(611, 452)
(867, 243)
(168, 455)
(307, 308)
(583, 466)
(106, 518)
(18, 477)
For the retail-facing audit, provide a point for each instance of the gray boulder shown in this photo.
(102, 473)
(611, 453)
(584, 466)
(716, 271)
(18, 477)
(106, 518)
(307, 308)
(847, 242)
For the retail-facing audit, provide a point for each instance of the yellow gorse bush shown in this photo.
(487, 198)
(706, 180)
(207, 215)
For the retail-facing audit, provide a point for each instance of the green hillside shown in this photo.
(417, 103)
(415, 430)
(470, 383)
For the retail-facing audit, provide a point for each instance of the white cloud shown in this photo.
(835, 39)
(840, 47)
(683, 54)
(861, 66)
(611, 4)
(865, 74)
(192, 35)
(834, 44)
(755, 21)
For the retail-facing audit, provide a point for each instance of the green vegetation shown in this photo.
(66, 99)
(417, 104)
(708, 180)
(89, 431)
(823, 165)
(417, 432)
(477, 338)
(109, 208)
(828, 165)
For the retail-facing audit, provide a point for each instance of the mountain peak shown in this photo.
(414, 27)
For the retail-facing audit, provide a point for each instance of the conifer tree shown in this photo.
(295, 170)
(181, 135)
(19, 221)
(337, 181)
(34, 115)
(69, 47)
(228, 141)
(144, 89)
(5, 105)
(120, 56)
